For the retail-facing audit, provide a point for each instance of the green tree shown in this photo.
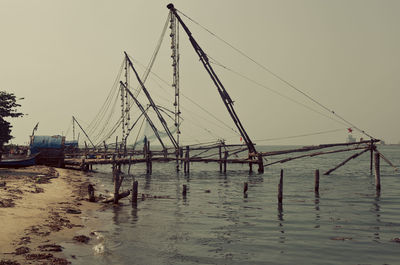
(8, 109)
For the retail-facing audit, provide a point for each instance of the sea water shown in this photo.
(347, 223)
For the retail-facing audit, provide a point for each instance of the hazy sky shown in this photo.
(63, 58)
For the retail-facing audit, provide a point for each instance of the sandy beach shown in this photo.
(39, 208)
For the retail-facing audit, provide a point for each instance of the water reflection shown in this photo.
(282, 236)
(377, 209)
(317, 209)
(147, 182)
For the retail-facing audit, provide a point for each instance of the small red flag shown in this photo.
(350, 130)
(241, 139)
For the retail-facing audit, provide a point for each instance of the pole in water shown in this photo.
(134, 192)
(225, 158)
(371, 157)
(377, 172)
(260, 164)
(184, 190)
(316, 186)
(280, 188)
(245, 188)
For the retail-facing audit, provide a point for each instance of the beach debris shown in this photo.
(73, 211)
(51, 248)
(37, 190)
(82, 239)
(22, 250)
(39, 256)
(91, 193)
(120, 196)
(5, 203)
(396, 239)
(3, 183)
(24, 240)
(9, 262)
(59, 261)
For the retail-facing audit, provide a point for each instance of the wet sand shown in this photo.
(40, 207)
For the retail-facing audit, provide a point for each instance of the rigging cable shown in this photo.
(299, 136)
(280, 78)
(192, 101)
(215, 62)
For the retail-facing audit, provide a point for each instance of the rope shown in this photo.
(298, 136)
(280, 78)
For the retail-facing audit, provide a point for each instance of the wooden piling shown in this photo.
(371, 157)
(220, 158)
(377, 172)
(316, 184)
(184, 190)
(187, 160)
(116, 184)
(260, 163)
(134, 192)
(250, 167)
(245, 187)
(91, 193)
(116, 144)
(225, 158)
(280, 188)
(149, 166)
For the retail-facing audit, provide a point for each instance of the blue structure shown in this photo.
(51, 149)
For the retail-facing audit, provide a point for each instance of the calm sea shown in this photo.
(348, 223)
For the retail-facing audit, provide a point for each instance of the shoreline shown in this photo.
(40, 208)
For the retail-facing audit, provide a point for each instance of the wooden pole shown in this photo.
(187, 159)
(250, 167)
(225, 158)
(280, 188)
(371, 157)
(149, 158)
(377, 172)
(134, 192)
(260, 163)
(220, 157)
(245, 187)
(116, 144)
(345, 161)
(316, 184)
(91, 193)
(116, 183)
(184, 190)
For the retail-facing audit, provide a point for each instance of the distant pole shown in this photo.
(116, 144)
(371, 157)
(316, 186)
(220, 157)
(187, 159)
(116, 183)
(225, 158)
(280, 188)
(377, 172)
(260, 163)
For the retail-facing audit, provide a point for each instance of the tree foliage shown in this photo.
(8, 109)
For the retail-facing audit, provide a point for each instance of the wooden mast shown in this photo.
(222, 91)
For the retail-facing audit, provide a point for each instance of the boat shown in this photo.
(17, 163)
